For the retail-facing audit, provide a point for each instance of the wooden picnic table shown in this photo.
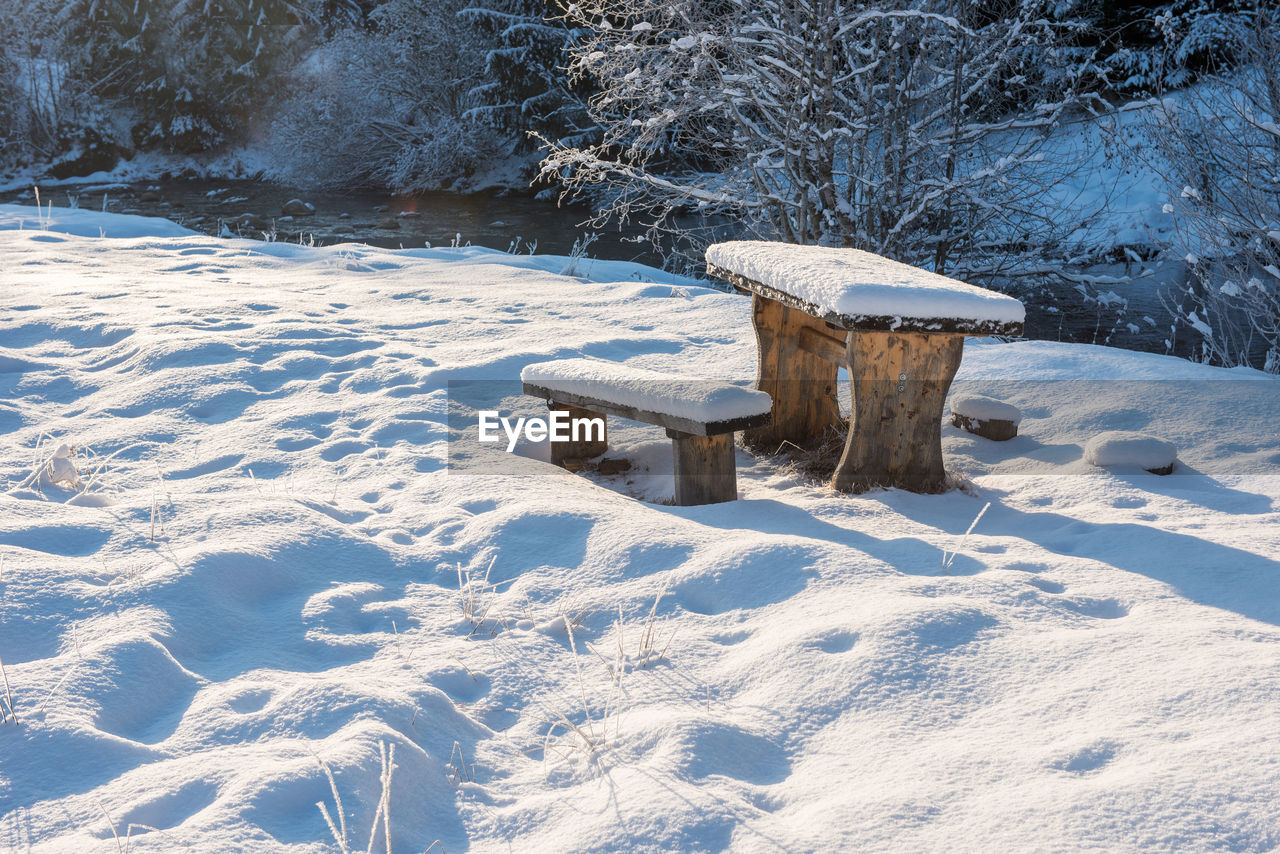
(898, 329)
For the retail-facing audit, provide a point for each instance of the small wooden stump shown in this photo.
(986, 417)
(995, 429)
(572, 455)
(801, 383)
(900, 382)
(704, 468)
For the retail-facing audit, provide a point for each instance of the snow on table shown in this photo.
(667, 394)
(858, 287)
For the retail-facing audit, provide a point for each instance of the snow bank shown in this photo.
(283, 574)
(859, 284)
(667, 394)
(86, 223)
(1124, 448)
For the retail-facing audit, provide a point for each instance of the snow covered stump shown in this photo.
(986, 417)
(700, 416)
(1124, 448)
(898, 329)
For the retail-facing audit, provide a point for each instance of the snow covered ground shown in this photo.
(269, 575)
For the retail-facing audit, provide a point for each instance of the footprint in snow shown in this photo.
(478, 506)
(730, 638)
(1103, 609)
(251, 701)
(345, 448)
(836, 642)
(169, 809)
(729, 751)
(1046, 585)
(1086, 759)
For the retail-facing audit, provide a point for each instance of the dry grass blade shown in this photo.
(459, 773)
(8, 698)
(948, 560)
(476, 599)
(814, 460)
(112, 824)
(647, 651)
(339, 832)
(383, 811)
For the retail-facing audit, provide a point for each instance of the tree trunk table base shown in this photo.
(900, 383)
(801, 383)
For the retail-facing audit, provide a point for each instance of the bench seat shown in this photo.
(689, 405)
(700, 416)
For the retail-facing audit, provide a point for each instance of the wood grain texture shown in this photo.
(995, 429)
(900, 383)
(825, 344)
(705, 470)
(801, 383)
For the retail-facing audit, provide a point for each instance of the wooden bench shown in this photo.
(700, 416)
(899, 331)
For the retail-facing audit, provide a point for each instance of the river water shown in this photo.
(1127, 312)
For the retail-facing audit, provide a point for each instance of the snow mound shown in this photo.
(61, 468)
(859, 284)
(1125, 448)
(980, 408)
(668, 394)
(87, 223)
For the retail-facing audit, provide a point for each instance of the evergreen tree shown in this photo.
(525, 86)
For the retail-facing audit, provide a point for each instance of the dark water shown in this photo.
(498, 220)
(1119, 305)
(1127, 313)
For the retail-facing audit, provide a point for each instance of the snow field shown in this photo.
(559, 665)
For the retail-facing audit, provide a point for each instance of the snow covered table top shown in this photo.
(690, 405)
(852, 289)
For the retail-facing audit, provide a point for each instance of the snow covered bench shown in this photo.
(701, 416)
(898, 329)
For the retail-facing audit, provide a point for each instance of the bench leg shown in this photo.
(801, 383)
(705, 469)
(900, 383)
(584, 449)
